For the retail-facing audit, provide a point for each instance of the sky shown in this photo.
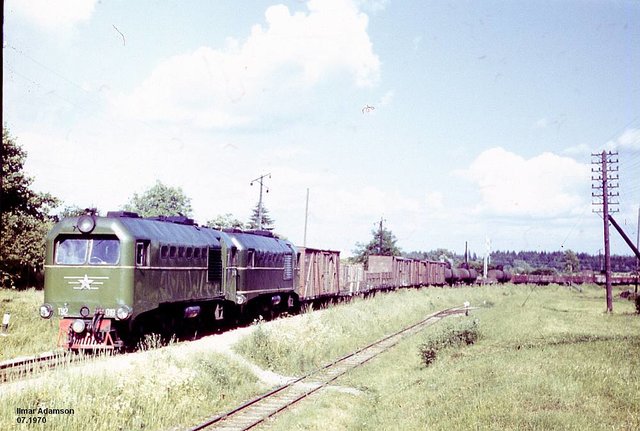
(453, 122)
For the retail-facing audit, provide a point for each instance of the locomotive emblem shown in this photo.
(86, 283)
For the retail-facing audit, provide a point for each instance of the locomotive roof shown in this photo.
(260, 242)
(171, 233)
(178, 230)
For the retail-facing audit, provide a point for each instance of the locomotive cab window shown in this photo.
(98, 250)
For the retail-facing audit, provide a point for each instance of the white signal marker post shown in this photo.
(487, 252)
(5, 324)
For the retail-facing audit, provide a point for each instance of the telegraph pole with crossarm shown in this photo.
(605, 178)
(260, 180)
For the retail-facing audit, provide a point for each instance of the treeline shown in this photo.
(528, 261)
(525, 262)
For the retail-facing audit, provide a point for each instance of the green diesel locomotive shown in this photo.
(112, 279)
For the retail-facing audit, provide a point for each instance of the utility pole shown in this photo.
(380, 237)
(604, 181)
(260, 180)
(306, 218)
(638, 247)
(487, 254)
(466, 252)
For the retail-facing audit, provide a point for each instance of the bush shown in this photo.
(452, 336)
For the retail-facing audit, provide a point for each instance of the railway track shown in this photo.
(258, 410)
(19, 368)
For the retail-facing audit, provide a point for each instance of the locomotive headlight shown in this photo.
(86, 223)
(78, 326)
(46, 311)
(123, 312)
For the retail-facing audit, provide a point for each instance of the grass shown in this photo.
(28, 333)
(449, 336)
(296, 348)
(165, 389)
(558, 362)
(542, 358)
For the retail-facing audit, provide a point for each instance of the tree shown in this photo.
(70, 211)
(267, 222)
(160, 200)
(443, 255)
(225, 221)
(520, 266)
(25, 218)
(571, 262)
(383, 243)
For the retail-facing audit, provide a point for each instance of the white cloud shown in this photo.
(374, 6)
(582, 150)
(547, 185)
(434, 202)
(630, 140)
(59, 15)
(547, 123)
(266, 75)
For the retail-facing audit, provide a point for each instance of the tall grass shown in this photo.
(308, 341)
(28, 333)
(449, 336)
(165, 389)
(546, 358)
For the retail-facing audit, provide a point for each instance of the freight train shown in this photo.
(112, 279)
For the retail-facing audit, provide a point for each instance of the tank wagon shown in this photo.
(110, 278)
(498, 275)
(617, 279)
(461, 275)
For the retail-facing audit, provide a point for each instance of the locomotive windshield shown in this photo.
(92, 251)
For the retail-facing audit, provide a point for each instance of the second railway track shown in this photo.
(258, 410)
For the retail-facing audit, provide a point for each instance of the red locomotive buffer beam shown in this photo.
(98, 338)
(624, 236)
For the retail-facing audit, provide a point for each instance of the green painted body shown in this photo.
(147, 264)
(116, 280)
(261, 265)
(143, 286)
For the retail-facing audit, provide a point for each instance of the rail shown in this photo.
(18, 368)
